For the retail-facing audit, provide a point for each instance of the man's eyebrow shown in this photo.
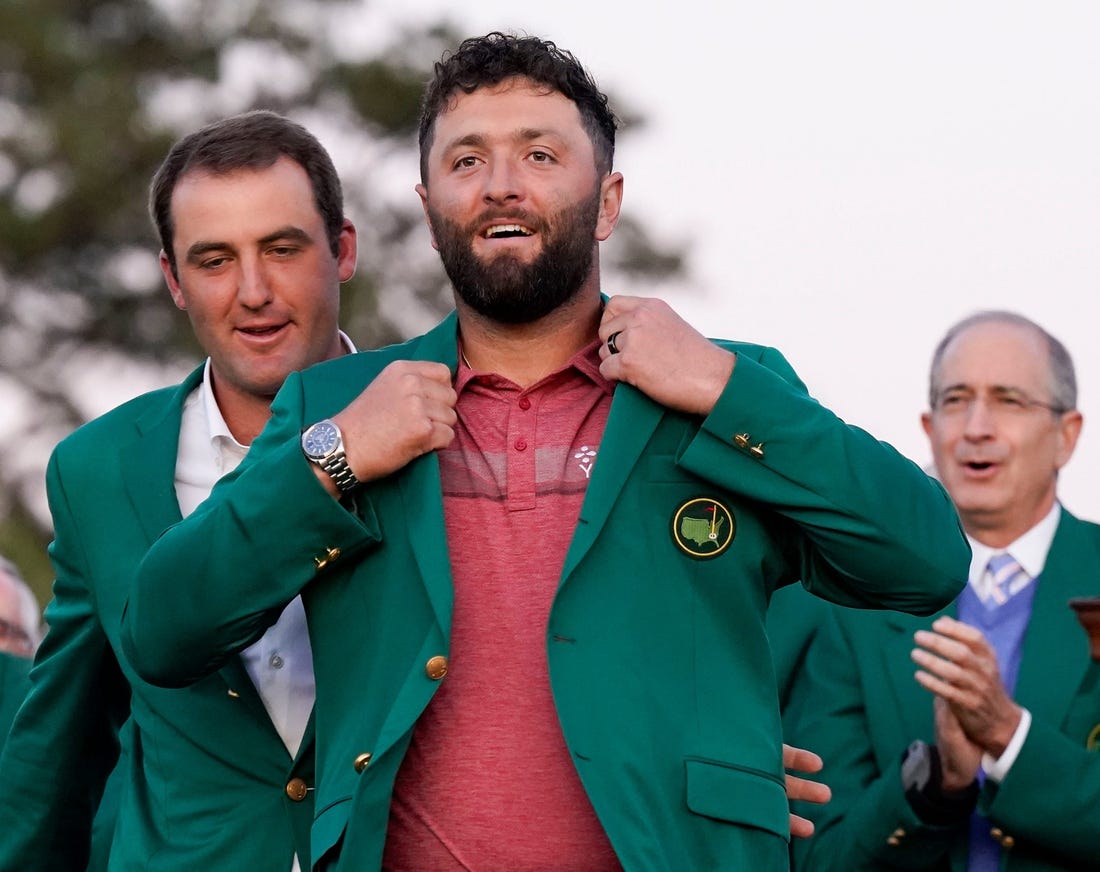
(197, 250)
(526, 134)
(1009, 389)
(475, 140)
(290, 233)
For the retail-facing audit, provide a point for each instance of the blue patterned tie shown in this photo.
(1006, 575)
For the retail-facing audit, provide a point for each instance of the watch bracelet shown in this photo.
(338, 470)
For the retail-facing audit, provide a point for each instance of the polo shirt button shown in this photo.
(521, 445)
(524, 403)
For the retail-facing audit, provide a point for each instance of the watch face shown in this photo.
(320, 439)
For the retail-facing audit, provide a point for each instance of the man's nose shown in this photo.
(253, 287)
(980, 419)
(503, 182)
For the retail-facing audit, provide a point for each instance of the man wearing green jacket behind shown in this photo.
(20, 620)
(13, 687)
(537, 543)
(968, 741)
(219, 775)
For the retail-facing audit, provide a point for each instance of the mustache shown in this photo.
(515, 215)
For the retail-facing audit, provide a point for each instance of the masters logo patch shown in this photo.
(703, 527)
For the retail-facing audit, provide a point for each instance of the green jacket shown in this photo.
(206, 772)
(684, 769)
(793, 618)
(860, 707)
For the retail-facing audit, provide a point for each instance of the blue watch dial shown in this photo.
(320, 439)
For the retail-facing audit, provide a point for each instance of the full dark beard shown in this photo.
(505, 289)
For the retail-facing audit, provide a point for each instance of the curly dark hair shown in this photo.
(252, 140)
(491, 59)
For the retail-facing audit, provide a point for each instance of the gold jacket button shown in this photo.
(757, 450)
(1007, 842)
(893, 841)
(997, 833)
(361, 762)
(742, 440)
(330, 555)
(296, 789)
(899, 833)
(436, 667)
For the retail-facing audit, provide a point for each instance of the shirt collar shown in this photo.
(1030, 550)
(218, 429)
(586, 362)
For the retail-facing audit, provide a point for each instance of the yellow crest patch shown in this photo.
(703, 527)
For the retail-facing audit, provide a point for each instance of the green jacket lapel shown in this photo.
(422, 490)
(148, 461)
(1055, 655)
(630, 424)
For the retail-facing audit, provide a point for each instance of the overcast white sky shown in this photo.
(855, 175)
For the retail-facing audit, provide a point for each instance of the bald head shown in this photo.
(1060, 374)
(1002, 422)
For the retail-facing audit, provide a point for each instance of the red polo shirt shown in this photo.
(488, 783)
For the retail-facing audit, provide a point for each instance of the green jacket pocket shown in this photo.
(740, 796)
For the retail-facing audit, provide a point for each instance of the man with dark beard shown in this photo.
(536, 544)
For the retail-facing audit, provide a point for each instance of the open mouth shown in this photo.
(269, 330)
(507, 231)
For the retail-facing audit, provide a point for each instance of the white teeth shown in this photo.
(502, 229)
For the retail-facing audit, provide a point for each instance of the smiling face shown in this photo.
(256, 276)
(996, 442)
(514, 201)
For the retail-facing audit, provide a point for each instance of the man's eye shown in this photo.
(953, 401)
(465, 162)
(1011, 401)
(283, 250)
(214, 262)
(540, 157)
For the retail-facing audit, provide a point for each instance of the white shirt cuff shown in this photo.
(996, 768)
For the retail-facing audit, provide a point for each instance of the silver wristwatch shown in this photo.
(323, 444)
